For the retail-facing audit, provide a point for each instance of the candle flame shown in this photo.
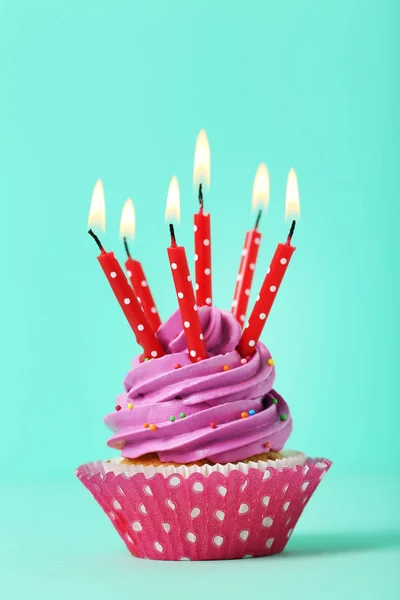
(128, 220)
(260, 197)
(201, 170)
(173, 207)
(292, 209)
(97, 212)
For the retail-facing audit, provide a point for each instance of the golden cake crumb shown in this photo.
(152, 460)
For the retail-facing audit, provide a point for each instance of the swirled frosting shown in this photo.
(198, 394)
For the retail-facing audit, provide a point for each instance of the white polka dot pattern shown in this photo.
(170, 518)
(265, 299)
(186, 300)
(245, 275)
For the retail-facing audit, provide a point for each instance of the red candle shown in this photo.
(244, 279)
(273, 279)
(202, 224)
(265, 300)
(186, 300)
(142, 290)
(134, 268)
(127, 300)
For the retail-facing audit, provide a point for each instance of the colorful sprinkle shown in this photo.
(226, 367)
(213, 425)
(129, 405)
(118, 407)
(153, 427)
(244, 415)
(145, 425)
(271, 362)
(177, 366)
(252, 411)
(172, 418)
(267, 445)
(283, 417)
(274, 401)
(182, 415)
(243, 361)
(146, 359)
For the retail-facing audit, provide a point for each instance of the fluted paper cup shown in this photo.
(205, 513)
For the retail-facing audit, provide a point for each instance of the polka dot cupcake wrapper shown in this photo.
(205, 517)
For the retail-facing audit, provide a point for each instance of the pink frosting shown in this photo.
(205, 393)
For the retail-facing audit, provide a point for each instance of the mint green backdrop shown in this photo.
(119, 90)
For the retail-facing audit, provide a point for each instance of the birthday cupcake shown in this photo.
(203, 473)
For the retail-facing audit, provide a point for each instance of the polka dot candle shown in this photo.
(202, 248)
(142, 290)
(268, 292)
(246, 272)
(127, 300)
(186, 300)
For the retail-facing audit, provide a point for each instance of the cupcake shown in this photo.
(203, 471)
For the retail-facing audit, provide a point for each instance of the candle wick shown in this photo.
(96, 239)
(201, 202)
(258, 219)
(173, 238)
(291, 232)
(127, 248)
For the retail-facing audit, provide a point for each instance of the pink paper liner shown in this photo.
(205, 517)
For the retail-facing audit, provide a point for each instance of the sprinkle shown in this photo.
(213, 425)
(244, 415)
(145, 425)
(118, 407)
(146, 359)
(130, 405)
(243, 361)
(172, 418)
(153, 427)
(252, 412)
(283, 417)
(226, 367)
(274, 401)
(271, 362)
(177, 366)
(182, 415)
(267, 445)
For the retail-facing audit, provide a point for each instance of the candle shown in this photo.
(135, 270)
(183, 283)
(251, 246)
(274, 277)
(136, 318)
(202, 224)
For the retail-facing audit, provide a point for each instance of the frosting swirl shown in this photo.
(198, 394)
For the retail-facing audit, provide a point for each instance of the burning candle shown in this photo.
(141, 327)
(251, 246)
(202, 224)
(274, 277)
(183, 282)
(134, 267)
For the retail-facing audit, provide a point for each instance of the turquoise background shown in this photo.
(119, 90)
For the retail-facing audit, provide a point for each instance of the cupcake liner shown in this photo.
(205, 513)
